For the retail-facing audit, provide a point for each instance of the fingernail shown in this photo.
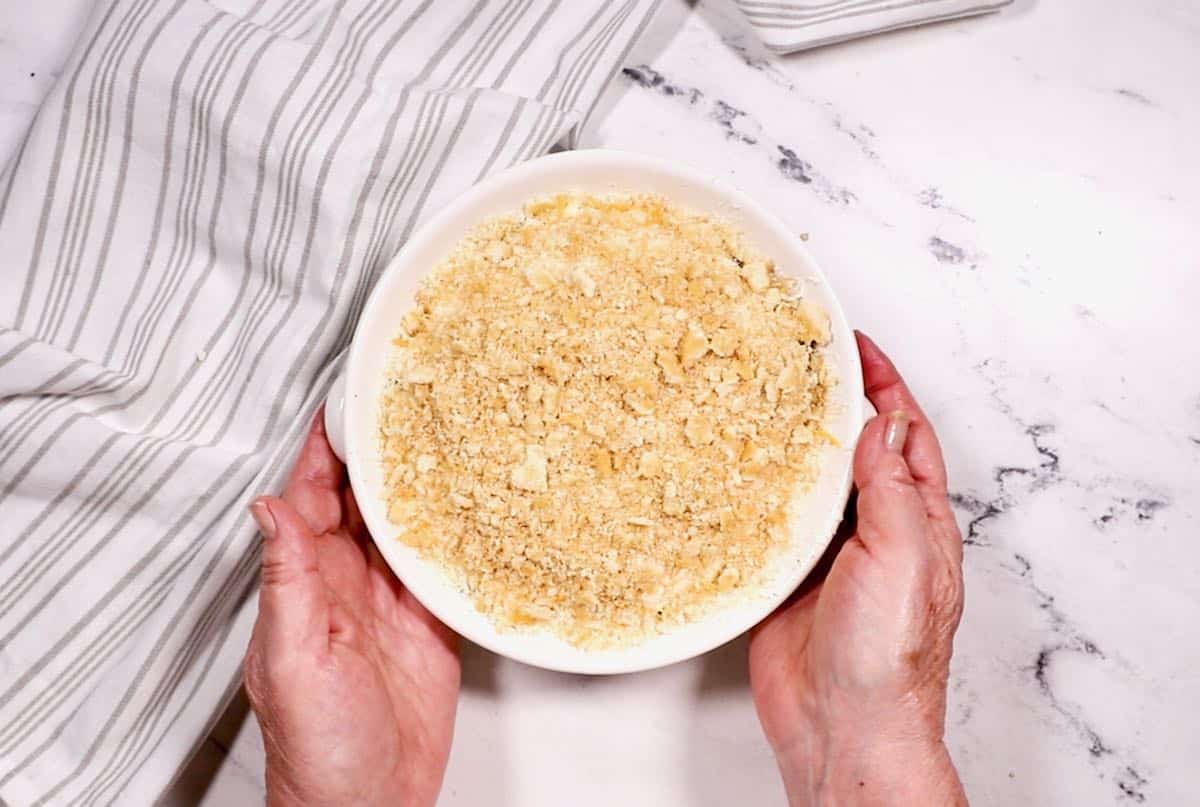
(896, 432)
(262, 517)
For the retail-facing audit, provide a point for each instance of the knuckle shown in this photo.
(255, 677)
(252, 672)
(275, 571)
(948, 593)
(895, 472)
(943, 582)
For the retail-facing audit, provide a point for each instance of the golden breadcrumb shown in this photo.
(598, 413)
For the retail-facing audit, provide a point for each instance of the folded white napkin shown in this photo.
(787, 25)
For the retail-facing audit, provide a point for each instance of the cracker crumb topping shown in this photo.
(598, 414)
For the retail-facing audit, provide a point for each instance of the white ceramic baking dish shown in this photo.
(353, 408)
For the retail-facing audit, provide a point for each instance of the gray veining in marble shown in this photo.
(1008, 205)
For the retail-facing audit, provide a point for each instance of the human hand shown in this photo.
(353, 682)
(849, 677)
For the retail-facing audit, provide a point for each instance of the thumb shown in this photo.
(293, 610)
(891, 512)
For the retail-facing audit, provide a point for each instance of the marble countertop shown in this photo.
(1004, 204)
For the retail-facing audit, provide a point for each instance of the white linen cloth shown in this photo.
(787, 25)
(188, 231)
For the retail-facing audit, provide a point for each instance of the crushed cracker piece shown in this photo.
(649, 465)
(698, 430)
(672, 371)
(692, 347)
(757, 274)
(531, 473)
(817, 320)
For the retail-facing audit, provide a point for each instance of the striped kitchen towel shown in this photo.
(786, 25)
(188, 231)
